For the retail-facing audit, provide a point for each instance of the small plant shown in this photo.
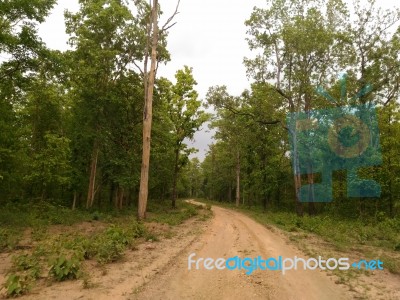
(63, 268)
(29, 263)
(8, 239)
(151, 237)
(39, 233)
(86, 281)
(108, 251)
(191, 211)
(17, 285)
(110, 245)
(96, 216)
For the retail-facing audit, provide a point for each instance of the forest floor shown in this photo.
(159, 269)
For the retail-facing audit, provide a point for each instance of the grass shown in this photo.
(40, 213)
(164, 214)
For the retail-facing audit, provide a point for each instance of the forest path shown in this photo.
(231, 234)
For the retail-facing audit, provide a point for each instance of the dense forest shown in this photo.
(72, 122)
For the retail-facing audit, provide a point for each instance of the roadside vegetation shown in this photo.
(50, 243)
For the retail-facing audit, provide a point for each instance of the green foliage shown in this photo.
(185, 115)
(37, 214)
(50, 166)
(64, 268)
(27, 262)
(8, 238)
(17, 285)
(109, 245)
(164, 215)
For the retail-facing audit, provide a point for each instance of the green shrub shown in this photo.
(106, 251)
(26, 262)
(63, 268)
(8, 239)
(110, 245)
(17, 285)
(191, 211)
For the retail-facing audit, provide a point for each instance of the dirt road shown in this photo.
(233, 234)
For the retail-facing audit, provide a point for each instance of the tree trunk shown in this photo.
(92, 178)
(74, 202)
(148, 117)
(237, 178)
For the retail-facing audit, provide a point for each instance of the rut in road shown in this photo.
(234, 234)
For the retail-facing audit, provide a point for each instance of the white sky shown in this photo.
(209, 36)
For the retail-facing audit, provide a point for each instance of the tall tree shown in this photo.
(153, 38)
(185, 115)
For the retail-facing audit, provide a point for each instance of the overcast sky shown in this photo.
(209, 36)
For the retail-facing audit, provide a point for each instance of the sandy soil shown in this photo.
(233, 234)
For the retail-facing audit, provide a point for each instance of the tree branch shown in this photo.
(167, 25)
(263, 122)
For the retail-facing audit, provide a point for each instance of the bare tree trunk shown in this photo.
(148, 117)
(92, 178)
(74, 202)
(237, 178)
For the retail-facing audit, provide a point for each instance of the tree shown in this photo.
(303, 45)
(185, 116)
(153, 38)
